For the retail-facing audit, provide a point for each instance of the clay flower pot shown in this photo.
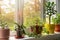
(4, 34)
(57, 28)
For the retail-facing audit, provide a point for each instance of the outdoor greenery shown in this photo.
(7, 11)
(3, 22)
(31, 12)
(6, 20)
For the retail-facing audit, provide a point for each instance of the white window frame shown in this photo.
(19, 11)
(58, 6)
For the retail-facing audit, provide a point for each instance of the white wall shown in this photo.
(58, 6)
(53, 1)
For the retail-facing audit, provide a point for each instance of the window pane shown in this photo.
(7, 8)
(32, 12)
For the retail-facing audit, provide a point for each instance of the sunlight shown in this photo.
(7, 5)
(12, 1)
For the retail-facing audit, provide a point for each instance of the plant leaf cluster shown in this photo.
(50, 8)
(20, 28)
(57, 19)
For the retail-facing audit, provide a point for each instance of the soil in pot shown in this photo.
(57, 28)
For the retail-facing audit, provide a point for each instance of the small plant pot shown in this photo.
(38, 29)
(4, 34)
(57, 28)
(19, 34)
(50, 28)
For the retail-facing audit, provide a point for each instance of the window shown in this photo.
(27, 11)
(7, 8)
(32, 12)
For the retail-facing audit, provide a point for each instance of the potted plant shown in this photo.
(57, 23)
(4, 30)
(38, 26)
(37, 29)
(49, 10)
(20, 32)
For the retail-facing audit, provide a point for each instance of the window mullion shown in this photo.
(19, 11)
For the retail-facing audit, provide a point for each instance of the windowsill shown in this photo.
(47, 37)
(13, 38)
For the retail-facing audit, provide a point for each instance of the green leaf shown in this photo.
(52, 3)
(49, 4)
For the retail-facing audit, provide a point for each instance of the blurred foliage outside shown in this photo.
(9, 18)
(32, 12)
(7, 10)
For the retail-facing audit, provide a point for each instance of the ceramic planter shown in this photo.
(57, 28)
(4, 34)
(50, 28)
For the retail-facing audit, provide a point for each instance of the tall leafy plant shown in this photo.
(57, 19)
(49, 9)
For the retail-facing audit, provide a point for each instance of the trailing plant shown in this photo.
(49, 9)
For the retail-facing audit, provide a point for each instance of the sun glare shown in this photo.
(7, 5)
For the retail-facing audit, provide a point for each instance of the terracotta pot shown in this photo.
(57, 28)
(4, 34)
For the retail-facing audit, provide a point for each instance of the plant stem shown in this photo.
(49, 19)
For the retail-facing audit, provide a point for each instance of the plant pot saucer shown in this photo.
(57, 32)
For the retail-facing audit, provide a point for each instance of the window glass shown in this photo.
(32, 12)
(7, 8)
